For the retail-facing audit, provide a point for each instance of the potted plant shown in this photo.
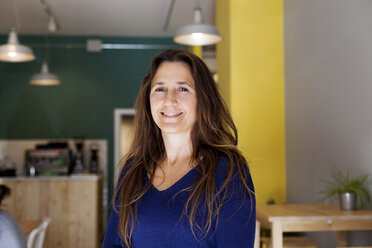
(352, 192)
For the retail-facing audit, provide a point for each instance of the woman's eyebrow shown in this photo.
(157, 83)
(183, 83)
(178, 83)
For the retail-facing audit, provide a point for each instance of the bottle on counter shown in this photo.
(79, 156)
(79, 166)
(31, 168)
(94, 166)
(32, 171)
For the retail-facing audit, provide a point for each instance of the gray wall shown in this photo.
(328, 87)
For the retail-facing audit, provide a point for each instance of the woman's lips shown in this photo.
(166, 114)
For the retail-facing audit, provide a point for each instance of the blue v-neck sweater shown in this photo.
(159, 225)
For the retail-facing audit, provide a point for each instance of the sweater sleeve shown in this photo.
(112, 238)
(237, 218)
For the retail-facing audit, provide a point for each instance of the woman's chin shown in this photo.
(169, 129)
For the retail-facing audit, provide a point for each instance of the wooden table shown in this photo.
(312, 218)
(27, 226)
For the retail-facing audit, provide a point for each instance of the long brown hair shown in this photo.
(4, 191)
(214, 134)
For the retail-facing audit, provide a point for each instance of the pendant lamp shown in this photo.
(44, 78)
(15, 52)
(197, 34)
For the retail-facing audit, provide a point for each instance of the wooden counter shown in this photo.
(73, 203)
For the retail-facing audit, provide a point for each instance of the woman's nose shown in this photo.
(170, 97)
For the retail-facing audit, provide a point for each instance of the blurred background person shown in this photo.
(11, 235)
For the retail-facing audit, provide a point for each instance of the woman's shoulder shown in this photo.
(8, 220)
(5, 217)
(224, 166)
(239, 173)
(10, 228)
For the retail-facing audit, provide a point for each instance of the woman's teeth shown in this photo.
(171, 114)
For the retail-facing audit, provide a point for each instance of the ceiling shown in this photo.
(102, 17)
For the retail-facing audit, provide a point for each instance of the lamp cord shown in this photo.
(47, 48)
(197, 4)
(170, 10)
(16, 15)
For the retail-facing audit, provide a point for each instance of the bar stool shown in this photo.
(36, 237)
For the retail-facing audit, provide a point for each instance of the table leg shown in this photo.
(257, 235)
(342, 238)
(277, 235)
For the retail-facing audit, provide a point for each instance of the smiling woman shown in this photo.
(184, 182)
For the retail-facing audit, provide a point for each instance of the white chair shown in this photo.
(36, 237)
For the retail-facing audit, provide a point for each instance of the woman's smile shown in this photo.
(167, 114)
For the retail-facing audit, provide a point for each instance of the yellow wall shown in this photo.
(251, 79)
(197, 50)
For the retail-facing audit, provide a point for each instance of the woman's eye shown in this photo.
(182, 89)
(159, 90)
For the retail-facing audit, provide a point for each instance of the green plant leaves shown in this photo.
(341, 183)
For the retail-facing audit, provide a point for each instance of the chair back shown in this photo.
(36, 237)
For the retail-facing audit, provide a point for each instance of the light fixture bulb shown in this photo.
(12, 54)
(197, 35)
(15, 52)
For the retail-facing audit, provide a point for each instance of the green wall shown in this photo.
(93, 85)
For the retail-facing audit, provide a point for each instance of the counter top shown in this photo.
(77, 177)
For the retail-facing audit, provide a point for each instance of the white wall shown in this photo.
(328, 87)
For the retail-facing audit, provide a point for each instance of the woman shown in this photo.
(184, 183)
(11, 234)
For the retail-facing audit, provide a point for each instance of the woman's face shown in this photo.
(173, 98)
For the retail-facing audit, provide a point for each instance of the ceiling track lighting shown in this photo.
(170, 10)
(53, 25)
(45, 78)
(198, 33)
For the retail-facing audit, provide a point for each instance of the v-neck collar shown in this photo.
(182, 183)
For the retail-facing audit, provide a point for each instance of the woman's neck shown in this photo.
(178, 148)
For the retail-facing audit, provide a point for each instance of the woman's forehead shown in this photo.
(178, 72)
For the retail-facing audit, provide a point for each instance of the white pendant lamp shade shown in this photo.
(15, 52)
(44, 78)
(197, 34)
